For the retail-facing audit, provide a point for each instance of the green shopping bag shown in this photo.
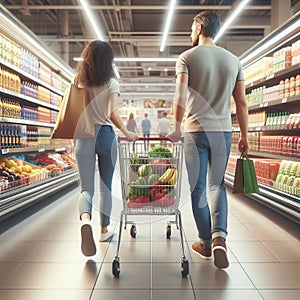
(245, 181)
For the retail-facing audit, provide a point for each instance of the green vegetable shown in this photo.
(160, 151)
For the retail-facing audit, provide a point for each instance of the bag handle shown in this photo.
(244, 154)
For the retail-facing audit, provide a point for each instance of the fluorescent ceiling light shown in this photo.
(167, 27)
(269, 43)
(230, 19)
(148, 84)
(142, 94)
(146, 59)
(91, 19)
(138, 59)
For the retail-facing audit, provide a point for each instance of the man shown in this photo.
(163, 125)
(206, 78)
(146, 127)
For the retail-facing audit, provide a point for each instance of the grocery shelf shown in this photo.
(26, 122)
(29, 76)
(269, 155)
(38, 149)
(274, 155)
(274, 78)
(29, 99)
(19, 198)
(283, 203)
(284, 131)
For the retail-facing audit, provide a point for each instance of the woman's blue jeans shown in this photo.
(206, 157)
(104, 147)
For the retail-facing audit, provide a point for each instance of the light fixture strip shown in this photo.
(91, 19)
(167, 26)
(139, 59)
(231, 18)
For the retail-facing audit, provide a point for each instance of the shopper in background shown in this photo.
(163, 125)
(146, 127)
(207, 76)
(95, 73)
(131, 123)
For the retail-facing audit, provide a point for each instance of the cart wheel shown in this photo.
(116, 268)
(184, 268)
(168, 235)
(133, 231)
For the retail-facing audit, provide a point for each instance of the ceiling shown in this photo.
(134, 28)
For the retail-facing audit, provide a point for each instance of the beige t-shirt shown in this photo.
(213, 73)
(98, 109)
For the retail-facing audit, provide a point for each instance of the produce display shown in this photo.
(22, 170)
(153, 179)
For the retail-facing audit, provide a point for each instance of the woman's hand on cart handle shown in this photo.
(175, 136)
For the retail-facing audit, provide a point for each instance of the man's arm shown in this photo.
(179, 105)
(241, 114)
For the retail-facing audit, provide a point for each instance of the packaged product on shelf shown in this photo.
(286, 179)
(297, 85)
(296, 53)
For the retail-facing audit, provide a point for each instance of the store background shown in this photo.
(31, 94)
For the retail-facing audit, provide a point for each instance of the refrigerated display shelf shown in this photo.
(28, 99)
(26, 122)
(283, 203)
(29, 76)
(294, 100)
(274, 78)
(273, 155)
(291, 131)
(16, 199)
(39, 149)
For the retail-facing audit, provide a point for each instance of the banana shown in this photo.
(174, 177)
(166, 176)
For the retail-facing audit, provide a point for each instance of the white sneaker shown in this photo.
(106, 236)
(88, 247)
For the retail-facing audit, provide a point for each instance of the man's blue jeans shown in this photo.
(104, 146)
(206, 157)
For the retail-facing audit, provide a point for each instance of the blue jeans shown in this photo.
(104, 146)
(206, 157)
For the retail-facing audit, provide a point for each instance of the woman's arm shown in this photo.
(115, 117)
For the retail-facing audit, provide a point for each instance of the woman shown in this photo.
(131, 123)
(95, 73)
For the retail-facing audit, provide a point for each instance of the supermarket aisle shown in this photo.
(40, 257)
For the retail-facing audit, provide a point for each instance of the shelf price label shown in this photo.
(284, 100)
(4, 151)
(270, 76)
(266, 104)
(41, 150)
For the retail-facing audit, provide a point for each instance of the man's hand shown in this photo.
(243, 145)
(175, 136)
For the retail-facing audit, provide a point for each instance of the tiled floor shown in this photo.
(40, 256)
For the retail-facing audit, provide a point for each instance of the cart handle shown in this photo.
(123, 138)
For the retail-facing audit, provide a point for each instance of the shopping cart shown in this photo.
(151, 171)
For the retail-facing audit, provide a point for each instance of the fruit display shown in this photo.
(18, 170)
(55, 163)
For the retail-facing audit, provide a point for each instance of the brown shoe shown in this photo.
(220, 253)
(202, 250)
